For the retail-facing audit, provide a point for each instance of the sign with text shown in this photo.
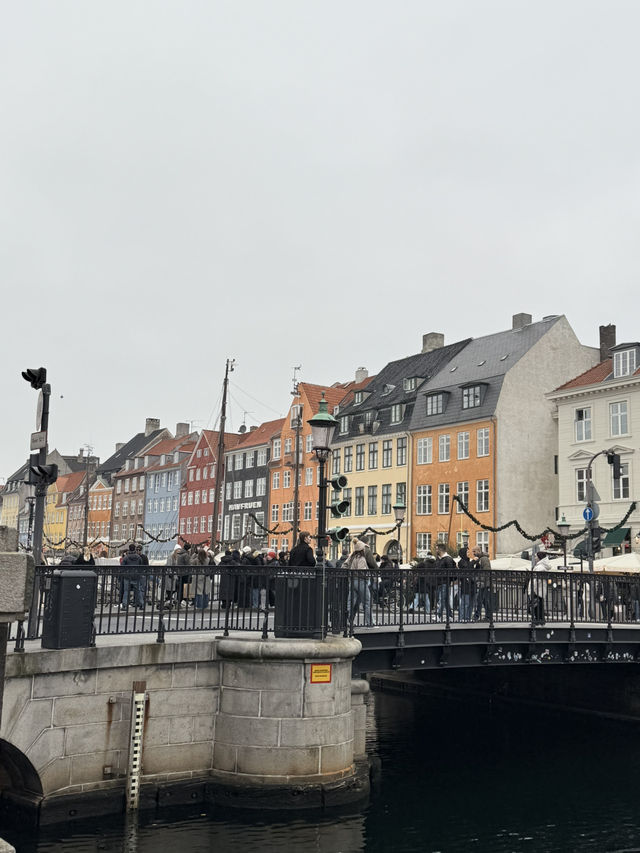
(321, 673)
(38, 440)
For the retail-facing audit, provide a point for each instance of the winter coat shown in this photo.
(302, 555)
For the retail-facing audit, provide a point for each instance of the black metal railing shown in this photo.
(311, 602)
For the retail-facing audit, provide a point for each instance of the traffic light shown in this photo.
(339, 506)
(36, 377)
(614, 459)
(338, 534)
(596, 539)
(43, 474)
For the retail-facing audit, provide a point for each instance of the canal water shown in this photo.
(455, 778)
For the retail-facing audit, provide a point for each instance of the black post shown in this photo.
(322, 538)
(38, 519)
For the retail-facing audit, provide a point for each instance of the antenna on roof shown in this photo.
(294, 392)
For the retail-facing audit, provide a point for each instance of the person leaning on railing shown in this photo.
(360, 561)
(481, 565)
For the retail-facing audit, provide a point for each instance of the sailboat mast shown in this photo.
(220, 460)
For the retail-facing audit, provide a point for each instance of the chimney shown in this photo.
(182, 430)
(253, 428)
(519, 321)
(119, 446)
(607, 340)
(431, 341)
(361, 374)
(151, 425)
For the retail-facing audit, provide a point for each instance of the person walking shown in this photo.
(536, 589)
(360, 593)
(466, 586)
(481, 566)
(444, 565)
(131, 563)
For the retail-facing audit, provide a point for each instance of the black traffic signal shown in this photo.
(596, 540)
(36, 377)
(614, 459)
(338, 534)
(43, 474)
(339, 506)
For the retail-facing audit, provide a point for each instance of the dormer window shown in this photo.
(296, 413)
(624, 363)
(409, 384)
(368, 417)
(472, 396)
(397, 413)
(387, 388)
(435, 404)
(357, 397)
(344, 424)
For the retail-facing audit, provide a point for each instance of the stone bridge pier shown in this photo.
(275, 723)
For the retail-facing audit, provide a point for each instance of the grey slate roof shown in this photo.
(421, 365)
(484, 361)
(114, 463)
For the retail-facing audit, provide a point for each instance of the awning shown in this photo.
(615, 538)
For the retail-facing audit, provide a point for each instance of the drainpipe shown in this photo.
(495, 480)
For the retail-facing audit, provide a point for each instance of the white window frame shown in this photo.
(463, 445)
(444, 448)
(582, 424)
(483, 439)
(424, 494)
(619, 418)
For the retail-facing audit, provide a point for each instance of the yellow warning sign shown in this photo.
(321, 673)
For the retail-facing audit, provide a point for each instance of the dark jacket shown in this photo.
(302, 555)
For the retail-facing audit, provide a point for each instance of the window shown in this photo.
(116, 510)
(618, 418)
(359, 508)
(401, 493)
(359, 457)
(620, 488)
(373, 455)
(444, 448)
(287, 445)
(346, 495)
(423, 500)
(125, 508)
(385, 507)
(261, 487)
(237, 490)
(372, 500)
(229, 463)
(401, 451)
(344, 424)
(308, 476)
(482, 496)
(286, 479)
(335, 464)
(387, 453)
(276, 448)
(261, 457)
(425, 451)
(483, 441)
(423, 544)
(295, 414)
(190, 474)
(308, 443)
(237, 462)
(462, 538)
(624, 363)
(212, 495)
(197, 496)
(248, 488)
(348, 459)
(236, 528)
(471, 397)
(249, 460)
(275, 480)
(581, 484)
(443, 498)
(183, 499)
(397, 413)
(583, 424)
(307, 510)
(463, 445)
(435, 404)
(409, 384)
(175, 503)
(126, 486)
(462, 492)
(482, 540)
(275, 508)
(357, 398)
(229, 487)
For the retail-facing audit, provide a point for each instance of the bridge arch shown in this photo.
(17, 773)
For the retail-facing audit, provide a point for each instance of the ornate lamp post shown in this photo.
(399, 510)
(322, 426)
(563, 529)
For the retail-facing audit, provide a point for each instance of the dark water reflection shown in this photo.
(455, 778)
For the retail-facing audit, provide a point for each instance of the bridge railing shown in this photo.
(295, 601)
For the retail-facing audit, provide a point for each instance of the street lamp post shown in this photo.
(322, 426)
(399, 510)
(563, 528)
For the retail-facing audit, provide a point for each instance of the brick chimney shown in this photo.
(151, 425)
(361, 374)
(182, 430)
(431, 341)
(519, 321)
(607, 340)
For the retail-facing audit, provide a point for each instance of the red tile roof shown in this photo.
(592, 376)
(262, 435)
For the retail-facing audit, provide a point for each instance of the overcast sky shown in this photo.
(284, 183)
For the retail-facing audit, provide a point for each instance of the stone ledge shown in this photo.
(283, 649)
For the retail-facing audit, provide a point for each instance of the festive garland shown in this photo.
(525, 535)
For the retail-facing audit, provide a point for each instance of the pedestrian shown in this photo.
(227, 588)
(131, 563)
(201, 596)
(283, 558)
(466, 586)
(183, 559)
(444, 565)
(302, 553)
(142, 578)
(536, 589)
(271, 563)
(85, 558)
(360, 593)
(481, 567)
